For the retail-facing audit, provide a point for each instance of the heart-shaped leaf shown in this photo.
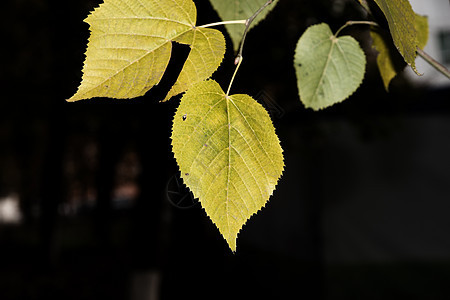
(228, 153)
(130, 47)
(329, 68)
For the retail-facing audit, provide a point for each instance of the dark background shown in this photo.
(360, 212)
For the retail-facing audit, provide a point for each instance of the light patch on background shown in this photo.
(10, 210)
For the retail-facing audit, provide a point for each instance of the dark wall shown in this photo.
(359, 212)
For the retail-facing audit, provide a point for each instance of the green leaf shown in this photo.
(389, 61)
(130, 46)
(401, 20)
(329, 69)
(228, 153)
(240, 10)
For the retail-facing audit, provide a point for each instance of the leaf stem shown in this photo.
(223, 23)
(234, 75)
(350, 23)
(438, 66)
(240, 57)
(249, 22)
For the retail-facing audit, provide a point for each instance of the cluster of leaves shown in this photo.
(226, 147)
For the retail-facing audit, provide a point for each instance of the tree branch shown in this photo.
(247, 27)
(438, 66)
(239, 57)
(350, 23)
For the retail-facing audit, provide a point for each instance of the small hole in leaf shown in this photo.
(184, 117)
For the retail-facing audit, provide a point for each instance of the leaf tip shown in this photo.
(231, 244)
(413, 67)
(74, 98)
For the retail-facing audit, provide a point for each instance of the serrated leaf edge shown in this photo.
(333, 36)
(184, 179)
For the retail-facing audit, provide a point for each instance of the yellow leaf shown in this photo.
(389, 61)
(228, 153)
(207, 51)
(130, 46)
(422, 30)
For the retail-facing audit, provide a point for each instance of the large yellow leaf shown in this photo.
(228, 154)
(131, 42)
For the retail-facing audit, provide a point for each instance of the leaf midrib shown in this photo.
(324, 69)
(227, 99)
(229, 148)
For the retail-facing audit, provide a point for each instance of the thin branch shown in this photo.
(249, 22)
(438, 66)
(350, 23)
(239, 57)
(234, 75)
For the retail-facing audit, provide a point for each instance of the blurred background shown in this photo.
(92, 207)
